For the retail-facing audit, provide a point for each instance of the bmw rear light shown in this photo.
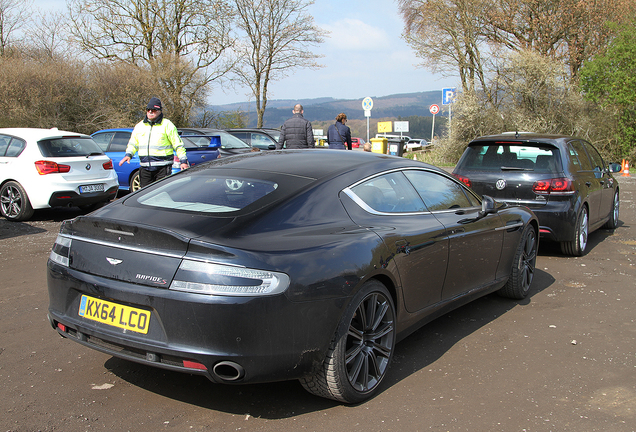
(49, 167)
(219, 279)
(464, 180)
(108, 165)
(562, 185)
(61, 250)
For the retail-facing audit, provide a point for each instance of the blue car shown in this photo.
(114, 141)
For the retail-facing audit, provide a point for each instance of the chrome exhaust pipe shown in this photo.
(228, 371)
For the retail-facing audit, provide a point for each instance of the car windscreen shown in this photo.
(69, 147)
(512, 156)
(228, 141)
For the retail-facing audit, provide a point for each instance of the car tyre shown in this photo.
(523, 267)
(612, 223)
(14, 202)
(577, 246)
(361, 351)
(135, 182)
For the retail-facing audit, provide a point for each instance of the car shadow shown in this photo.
(287, 399)
(10, 229)
(553, 249)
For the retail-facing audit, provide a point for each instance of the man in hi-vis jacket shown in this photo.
(156, 139)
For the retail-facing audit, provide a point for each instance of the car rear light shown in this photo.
(61, 250)
(562, 185)
(219, 279)
(464, 180)
(108, 165)
(49, 167)
(191, 364)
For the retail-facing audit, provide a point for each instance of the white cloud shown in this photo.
(352, 34)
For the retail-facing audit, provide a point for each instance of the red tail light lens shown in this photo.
(464, 180)
(49, 167)
(108, 165)
(555, 185)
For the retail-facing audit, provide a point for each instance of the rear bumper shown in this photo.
(557, 219)
(72, 198)
(227, 339)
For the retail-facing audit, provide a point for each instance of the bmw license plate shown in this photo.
(92, 188)
(114, 314)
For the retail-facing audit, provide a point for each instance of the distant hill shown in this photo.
(326, 109)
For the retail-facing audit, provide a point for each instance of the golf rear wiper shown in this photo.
(505, 168)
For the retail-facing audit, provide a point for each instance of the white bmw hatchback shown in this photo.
(42, 168)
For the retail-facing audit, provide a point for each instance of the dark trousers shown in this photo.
(146, 176)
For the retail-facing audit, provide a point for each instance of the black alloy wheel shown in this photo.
(612, 223)
(522, 274)
(362, 349)
(14, 202)
(576, 247)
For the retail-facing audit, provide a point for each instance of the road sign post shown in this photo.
(367, 106)
(448, 98)
(434, 109)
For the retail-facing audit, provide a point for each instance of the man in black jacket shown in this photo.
(296, 131)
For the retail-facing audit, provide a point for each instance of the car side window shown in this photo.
(4, 144)
(597, 161)
(261, 139)
(577, 149)
(103, 139)
(439, 192)
(389, 193)
(120, 142)
(245, 136)
(15, 147)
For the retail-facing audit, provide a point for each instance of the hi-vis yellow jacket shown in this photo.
(156, 143)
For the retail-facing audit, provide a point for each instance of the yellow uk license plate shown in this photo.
(114, 314)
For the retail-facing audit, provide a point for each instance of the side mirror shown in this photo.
(272, 146)
(488, 206)
(615, 167)
(215, 142)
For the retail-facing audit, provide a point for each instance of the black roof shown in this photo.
(314, 163)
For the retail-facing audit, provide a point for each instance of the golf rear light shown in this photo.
(61, 251)
(108, 165)
(464, 180)
(219, 279)
(555, 185)
(50, 167)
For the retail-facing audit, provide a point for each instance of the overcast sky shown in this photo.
(363, 56)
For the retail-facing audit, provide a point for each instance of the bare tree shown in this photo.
(14, 14)
(448, 36)
(571, 31)
(182, 42)
(48, 34)
(279, 38)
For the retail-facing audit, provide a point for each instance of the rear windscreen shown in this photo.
(69, 147)
(522, 156)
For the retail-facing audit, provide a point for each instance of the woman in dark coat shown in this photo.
(338, 134)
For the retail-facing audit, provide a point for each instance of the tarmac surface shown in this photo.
(564, 359)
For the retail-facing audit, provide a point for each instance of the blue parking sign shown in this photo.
(448, 96)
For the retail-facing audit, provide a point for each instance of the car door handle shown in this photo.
(456, 231)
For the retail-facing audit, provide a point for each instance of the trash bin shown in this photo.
(396, 147)
(378, 145)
